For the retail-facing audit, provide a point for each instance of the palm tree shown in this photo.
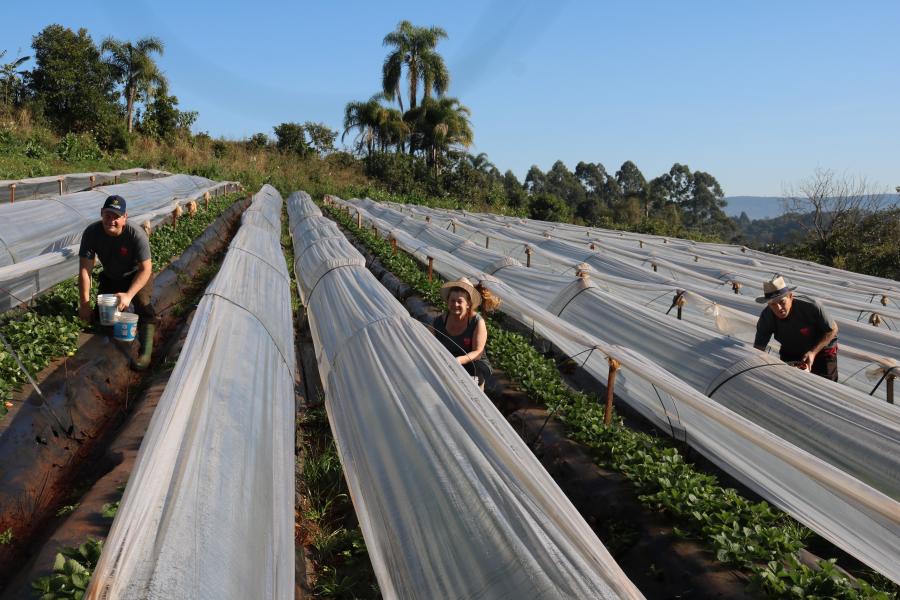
(414, 47)
(481, 163)
(379, 126)
(439, 126)
(362, 116)
(135, 68)
(11, 79)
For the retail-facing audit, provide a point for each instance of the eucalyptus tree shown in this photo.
(414, 48)
(134, 67)
(633, 185)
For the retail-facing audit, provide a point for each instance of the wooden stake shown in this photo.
(92, 182)
(358, 220)
(60, 185)
(527, 257)
(12, 193)
(393, 247)
(610, 389)
(430, 268)
(487, 242)
(890, 389)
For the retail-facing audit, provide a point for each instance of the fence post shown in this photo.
(430, 268)
(12, 193)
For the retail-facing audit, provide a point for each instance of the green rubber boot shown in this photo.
(146, 334)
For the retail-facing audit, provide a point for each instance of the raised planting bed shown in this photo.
(44, 443)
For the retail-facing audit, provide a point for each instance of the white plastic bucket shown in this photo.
(107, 304)
(125, 327)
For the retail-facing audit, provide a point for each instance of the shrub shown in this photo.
(74, 147)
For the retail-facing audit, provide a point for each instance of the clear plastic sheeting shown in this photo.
(451, 502)
(618, 265)
(209, 508)
(34, 188)
(39, 240)
(820, 451)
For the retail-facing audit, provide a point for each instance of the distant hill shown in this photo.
(756, 207)
(767, 207)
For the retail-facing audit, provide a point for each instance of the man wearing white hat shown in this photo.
(808, 335)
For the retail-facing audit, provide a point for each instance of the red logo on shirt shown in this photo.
(804, 331)
(467, 342)
(123, 251)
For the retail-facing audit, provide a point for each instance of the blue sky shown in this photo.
(757, 93)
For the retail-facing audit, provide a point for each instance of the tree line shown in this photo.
(413, 139)
(423, 151)
(76, 86)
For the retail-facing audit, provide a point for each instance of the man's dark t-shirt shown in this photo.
(799, 332)
(119, 255)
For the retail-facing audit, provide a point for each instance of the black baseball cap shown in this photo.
(114, 203)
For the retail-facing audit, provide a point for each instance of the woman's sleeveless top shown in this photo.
(457, 345)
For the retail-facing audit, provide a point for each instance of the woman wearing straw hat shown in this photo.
(461, 329)
(808, 335)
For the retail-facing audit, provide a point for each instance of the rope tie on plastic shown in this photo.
(12, 255)
(361, 330)
(741, 372)
(322, 276)
(566, 305)
(262, 260)
(888, 371)
(258, 320)
(299, 255)
(276, 227)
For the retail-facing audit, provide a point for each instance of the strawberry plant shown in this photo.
(72, 571)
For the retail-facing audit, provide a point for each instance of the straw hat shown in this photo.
(464, 284)
(775, 289)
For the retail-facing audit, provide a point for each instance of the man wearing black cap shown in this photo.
(808, 336)
(124, 252)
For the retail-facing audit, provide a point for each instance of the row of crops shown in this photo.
(851, 499)
(451, 501)
(208, 511)
(47, 328)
